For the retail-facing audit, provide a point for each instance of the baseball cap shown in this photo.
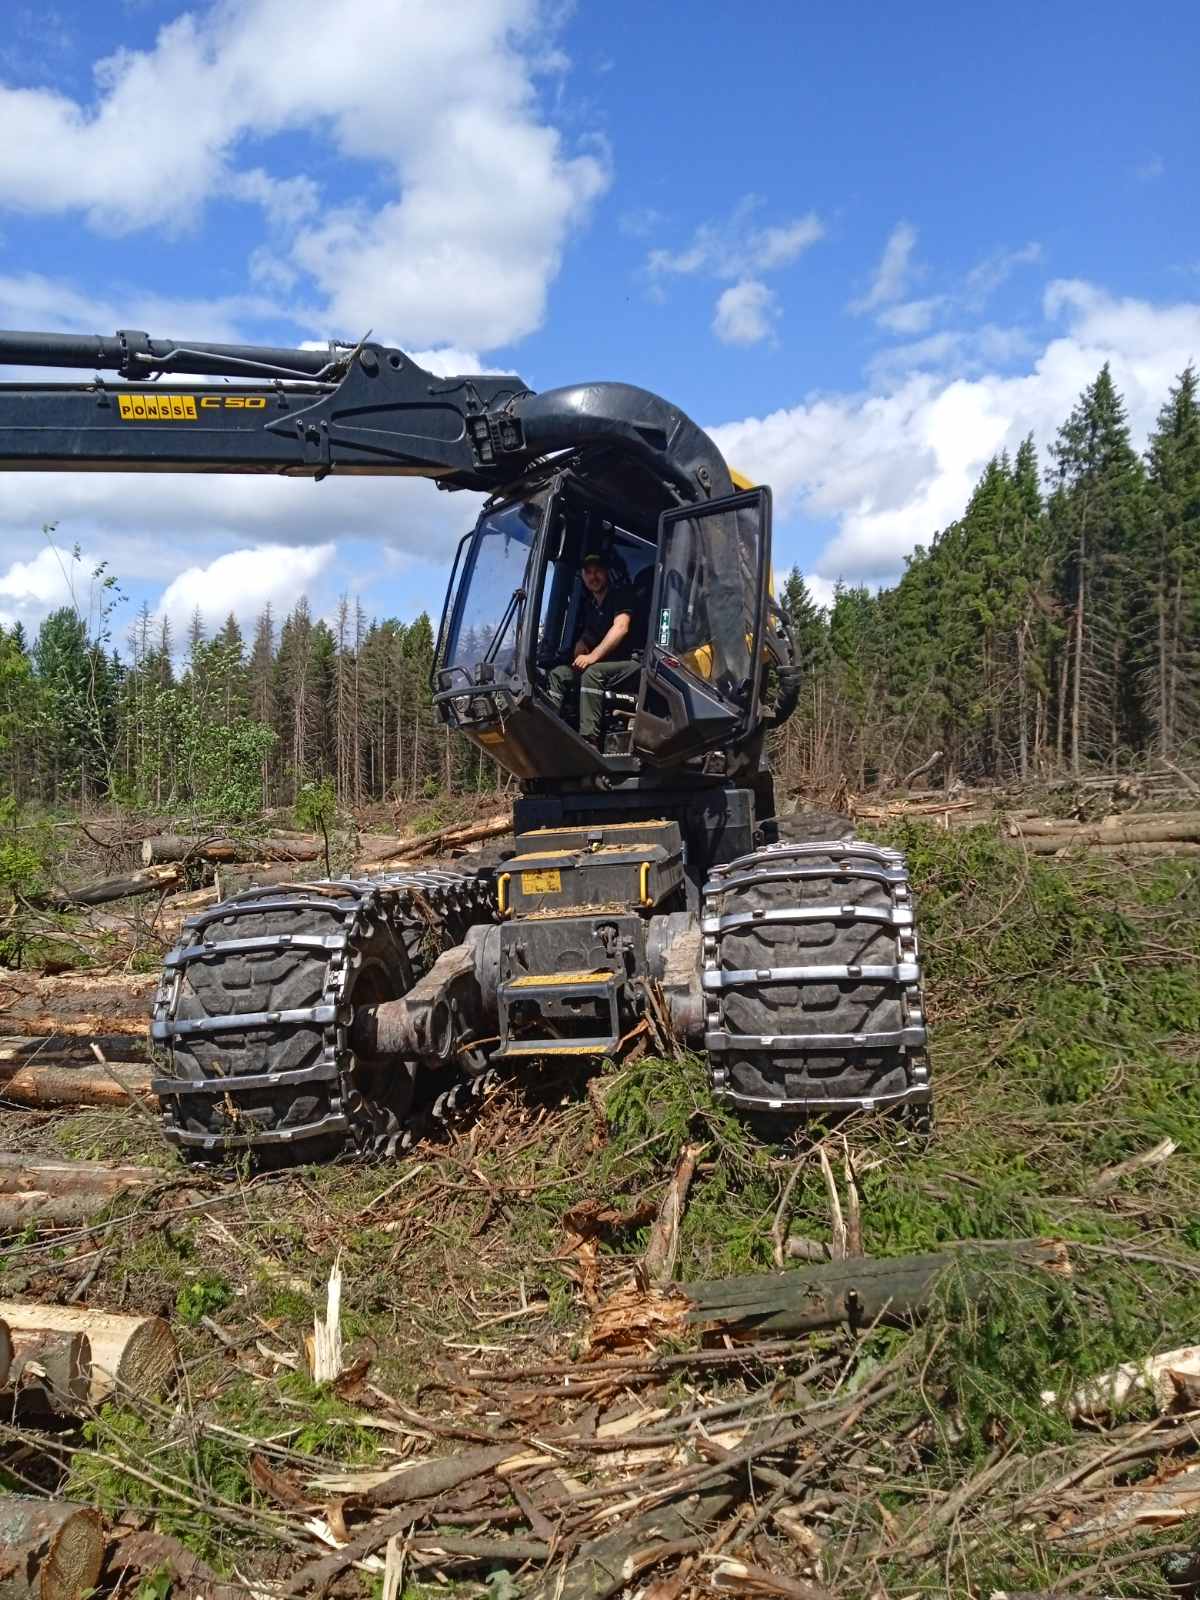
(595, 558)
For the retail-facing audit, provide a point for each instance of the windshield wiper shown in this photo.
(518, 595)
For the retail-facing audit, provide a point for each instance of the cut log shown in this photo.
(72, 1050)
(76, 1003)
(133, 1353)
(1136, 849)
(64, 1193)
(450, 838)
(48, 1550)
(1183, 828)
(154, 880)
(857, 1291)
(55, 1367)
(114, 1085)
(168, 847)
(256, 874)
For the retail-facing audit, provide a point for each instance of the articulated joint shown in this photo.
(438, 1014)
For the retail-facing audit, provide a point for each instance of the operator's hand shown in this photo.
(583, 661)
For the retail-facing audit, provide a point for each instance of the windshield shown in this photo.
(483, 624)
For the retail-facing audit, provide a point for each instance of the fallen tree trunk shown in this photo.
(75, 1003)
(448, 838)
(857, 1291)
(154, 880)
(114, 1084)
(48, 1550)
(132, 1353)
(169, 847)
(1183, 826)
(51, 1367)
(62, 1193)
(256, 874)
(1135, 848)
(72, 1050)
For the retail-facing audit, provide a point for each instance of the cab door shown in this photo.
(703, 661)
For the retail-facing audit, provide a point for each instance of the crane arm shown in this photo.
(362, 409)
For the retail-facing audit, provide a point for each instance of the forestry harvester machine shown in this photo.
(649, 886)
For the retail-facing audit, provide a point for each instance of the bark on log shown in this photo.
(134, 1353)
(168, 847)
(153, 880)
(256, 874)
(6, 1353)
(55, 1367)
(856, 1291)
(48, 1550)
(417, 844)
(611, 1561)
(62, 1193)
(1167, 844)
(71, 1050)
(1182, 826)
(114, 1085)
(76, 1003)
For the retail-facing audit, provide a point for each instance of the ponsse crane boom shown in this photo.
(650, 884)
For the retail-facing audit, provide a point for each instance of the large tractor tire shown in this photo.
(812, 980)
(253, 1015)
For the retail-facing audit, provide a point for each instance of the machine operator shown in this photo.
(601, 657)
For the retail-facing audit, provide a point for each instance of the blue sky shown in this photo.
(867, 246)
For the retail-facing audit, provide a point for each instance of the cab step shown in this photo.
(540, 1013)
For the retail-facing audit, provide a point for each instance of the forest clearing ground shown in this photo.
(1065, 1004)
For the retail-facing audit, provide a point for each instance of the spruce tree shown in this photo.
(1171, 569)
(1096, 509)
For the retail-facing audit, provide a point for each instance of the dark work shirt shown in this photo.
(596, 620)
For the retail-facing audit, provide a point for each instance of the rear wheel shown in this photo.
(812, 980)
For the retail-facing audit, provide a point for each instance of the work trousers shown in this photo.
(592, 682)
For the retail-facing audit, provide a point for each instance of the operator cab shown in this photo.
(696, 582)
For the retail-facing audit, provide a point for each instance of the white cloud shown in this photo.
(479, 190)
(745, 313)
(243, 581)
(732, 248)
(1150, 170)
(888, 468)
(911, 316)
(50, 578)
(984, 279)
(894, 272)
(29, 589)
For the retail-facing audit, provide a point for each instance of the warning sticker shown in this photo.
(542, 882)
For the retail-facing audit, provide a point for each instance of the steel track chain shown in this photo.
(440, 903)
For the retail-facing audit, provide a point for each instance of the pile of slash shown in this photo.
(744, 1435)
